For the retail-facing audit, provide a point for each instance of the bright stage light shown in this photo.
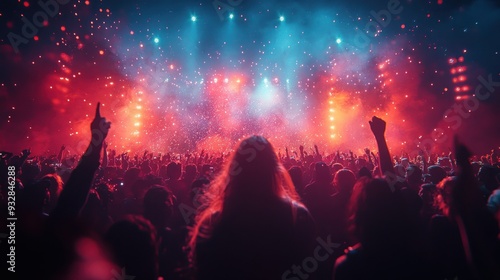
(282, 18)
(193, 18)
(338, 40)
(156, 40)
(231, 16)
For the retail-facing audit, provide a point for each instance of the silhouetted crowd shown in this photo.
(253, 213)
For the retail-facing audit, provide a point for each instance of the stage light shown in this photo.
(282, 18)
(193, 18)
(338, 40)
(231, 16)
(156, 40)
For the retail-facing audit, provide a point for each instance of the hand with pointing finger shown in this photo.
(99, 127)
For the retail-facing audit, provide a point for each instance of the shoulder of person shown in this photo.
(302, 214)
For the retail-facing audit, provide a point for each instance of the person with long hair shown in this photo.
(253, 225)
(380, 224)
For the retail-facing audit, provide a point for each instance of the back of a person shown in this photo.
(253, 226)
(318, 198)
(379, 222)
(256, 243)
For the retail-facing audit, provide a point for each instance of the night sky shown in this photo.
(191, 75)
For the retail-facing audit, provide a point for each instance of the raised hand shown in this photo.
(302, 153)
(99, 127)
(316, 150)
(377, 125)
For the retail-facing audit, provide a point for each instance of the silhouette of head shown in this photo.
(437, 173)
(414, 175)
(322, 172)
(296, 175)
(400, 170)
(55, 188)
(428, 193)
(336, 167)
(446, 196)
(364, 172)
(133, 245)
(158, 205)
(372, 210)
(190, 171)
(344, 180)
(145, 167)
(255, 170)
(488, 176)
(174, 171)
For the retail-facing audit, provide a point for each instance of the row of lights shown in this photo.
(331, 117)
(231, 16)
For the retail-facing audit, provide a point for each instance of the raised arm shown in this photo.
(367, 152)
(75, 192)
(453, 166)
(104, 154)
(60, 155)
(377, 126)
(24, 155)
(318, 155)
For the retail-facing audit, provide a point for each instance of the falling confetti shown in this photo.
(184, 76)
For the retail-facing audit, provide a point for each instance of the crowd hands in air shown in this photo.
(256, 213)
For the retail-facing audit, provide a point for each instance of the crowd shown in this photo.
(254, 213)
